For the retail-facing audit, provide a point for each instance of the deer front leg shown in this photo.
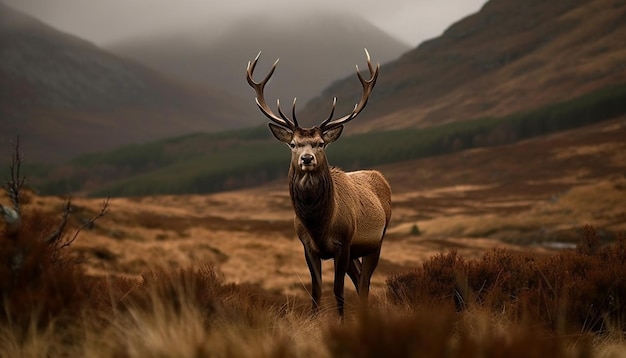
(342, 260)
(315, 268)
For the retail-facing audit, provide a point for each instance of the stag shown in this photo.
(338, 215)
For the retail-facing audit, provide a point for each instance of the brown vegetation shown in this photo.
(509, 308)
(214, 275)
(572, 291)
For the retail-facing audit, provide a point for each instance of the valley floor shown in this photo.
(532, 196)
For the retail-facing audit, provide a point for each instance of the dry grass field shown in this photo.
(531, 198)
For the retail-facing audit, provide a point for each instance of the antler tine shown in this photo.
(369, 62)
(332, 112)
(368, 86)
(293, 112)
(259, 87)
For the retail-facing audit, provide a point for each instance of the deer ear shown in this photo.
(332, 134)
(282, 134)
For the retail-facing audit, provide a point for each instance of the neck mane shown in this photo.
(312, 196)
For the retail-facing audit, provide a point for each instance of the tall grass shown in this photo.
(570, 304)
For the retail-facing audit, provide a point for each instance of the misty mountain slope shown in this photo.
(314, 50)
(64, 96)
(508, 57)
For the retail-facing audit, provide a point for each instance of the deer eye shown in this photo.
(321, 144)
(292, 145)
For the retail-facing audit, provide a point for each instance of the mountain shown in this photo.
(508, 57)
(64, 96)
(508, 73)
(314, 48)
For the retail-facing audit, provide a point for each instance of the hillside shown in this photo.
(508, 57)
(209, 162)
(64, 96)
(314, 50)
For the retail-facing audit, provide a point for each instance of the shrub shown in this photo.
(38, 281)
(435, 283)
(581, 290)
(415, 230)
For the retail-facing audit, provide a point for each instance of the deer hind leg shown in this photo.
(354, 272)
(369, 265)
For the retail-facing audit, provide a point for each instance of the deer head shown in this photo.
(308, 144)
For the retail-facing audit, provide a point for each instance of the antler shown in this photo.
(283, 120)
(368, 86)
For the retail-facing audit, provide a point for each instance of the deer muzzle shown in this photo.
(307, 161)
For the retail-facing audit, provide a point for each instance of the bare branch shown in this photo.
(16, 181)
(103, 210)
(58, 233)
(13, 186)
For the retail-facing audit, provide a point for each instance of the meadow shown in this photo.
(567, 304)
(473, 265)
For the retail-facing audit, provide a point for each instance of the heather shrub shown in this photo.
(498, 278)
(435, 283)
(37, 280)
(577, 291)
(595, 284)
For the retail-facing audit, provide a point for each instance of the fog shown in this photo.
(103, 22)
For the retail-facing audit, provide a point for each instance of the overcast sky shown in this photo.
(106, 21)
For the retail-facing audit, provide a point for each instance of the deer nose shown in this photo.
(307, 159)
